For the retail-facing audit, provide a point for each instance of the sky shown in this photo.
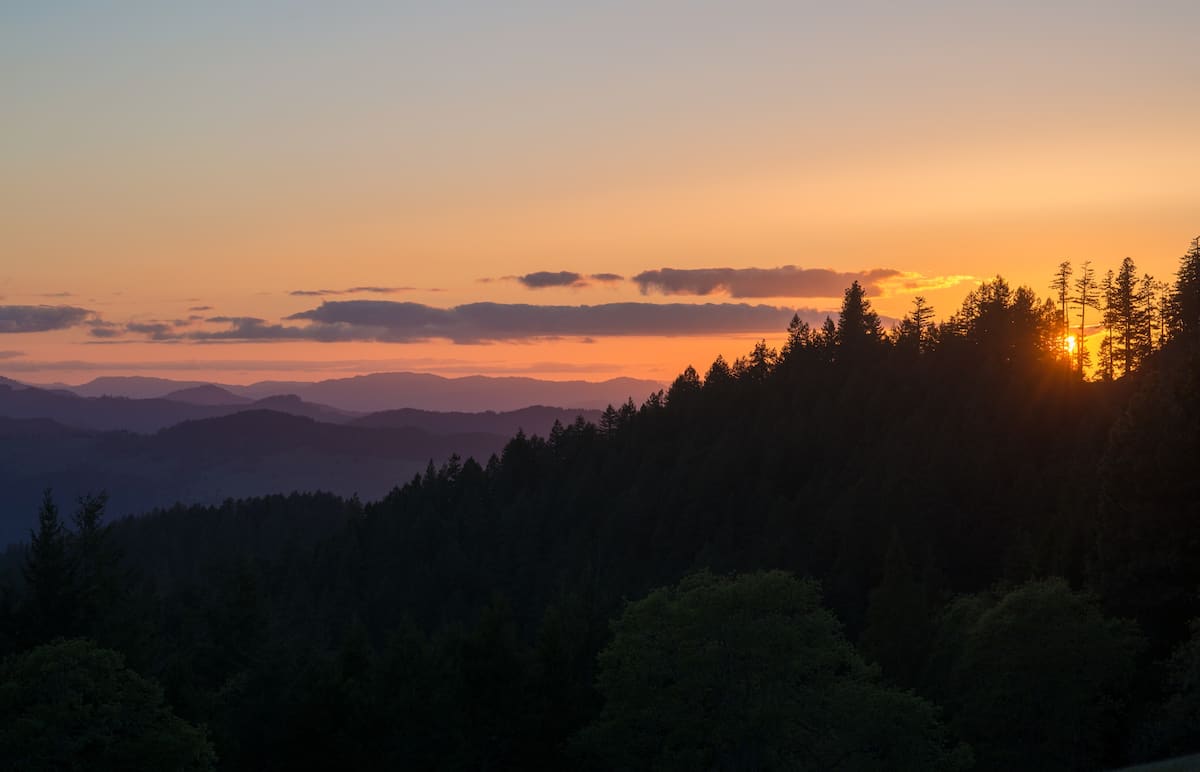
(310, 190)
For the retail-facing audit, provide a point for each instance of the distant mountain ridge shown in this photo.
(139, 415)
(392, 391)
(151, 415)
(537, 419)
(208, 394)
(205, 461)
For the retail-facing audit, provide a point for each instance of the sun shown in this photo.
(1069, 344)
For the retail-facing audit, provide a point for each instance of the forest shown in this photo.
(966, 544)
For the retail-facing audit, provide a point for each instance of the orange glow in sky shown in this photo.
(163, 168)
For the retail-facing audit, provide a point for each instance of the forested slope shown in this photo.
(1004, 561)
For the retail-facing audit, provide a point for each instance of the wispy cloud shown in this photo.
(11, 354)
(16, 319)
(907, 282)
(396, 322)
(353, 291)
(200, 308)
(607, 278)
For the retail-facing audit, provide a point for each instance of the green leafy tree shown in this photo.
(898, 625)
(750, 672)
(71, 706)
(1147, 558)
(1037, 677)
(1174, 728)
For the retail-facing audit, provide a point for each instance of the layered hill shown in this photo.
(206, 461)
(387, 391)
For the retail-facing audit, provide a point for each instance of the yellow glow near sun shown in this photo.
(1069, 344)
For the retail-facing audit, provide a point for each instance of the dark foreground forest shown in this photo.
(936, 547)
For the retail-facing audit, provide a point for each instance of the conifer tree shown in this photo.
(898, 625)
(1061, 284)
(1125, 316)
(858, 326)
(1185, 302)
(798, 339)
(915, 328)
(96, 563)
(1087, 296)
(608, 420)
(50, 575)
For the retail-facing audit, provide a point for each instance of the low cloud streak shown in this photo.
(399, 322)
(544, 279)
(352, 291)
(785, 281)
(20, 319)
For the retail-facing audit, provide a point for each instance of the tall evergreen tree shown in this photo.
(858, 326)
(608, 420)
(915, 328)
(96, 563)
(1151, 301)
(1125, 316)
(1087, 295)
(50, 574)
(799, 338)
(761, 362)
(1108, 313)
(1061, 284)
(1185, 302)
(898, 624)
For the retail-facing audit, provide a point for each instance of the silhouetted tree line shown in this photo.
(1003, 561)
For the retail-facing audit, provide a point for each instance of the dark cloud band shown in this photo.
(543, 279)
(15, 319)
(396, 322)
(785, 281)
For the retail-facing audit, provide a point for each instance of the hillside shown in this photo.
(206, 461)
(537, 419)
(391, 391)
(142, 415)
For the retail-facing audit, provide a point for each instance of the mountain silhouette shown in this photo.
(202, 461)
(537, 419)
(207, 394)
(138, 415)
(390, 391)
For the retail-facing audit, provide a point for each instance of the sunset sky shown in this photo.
(307, 190)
